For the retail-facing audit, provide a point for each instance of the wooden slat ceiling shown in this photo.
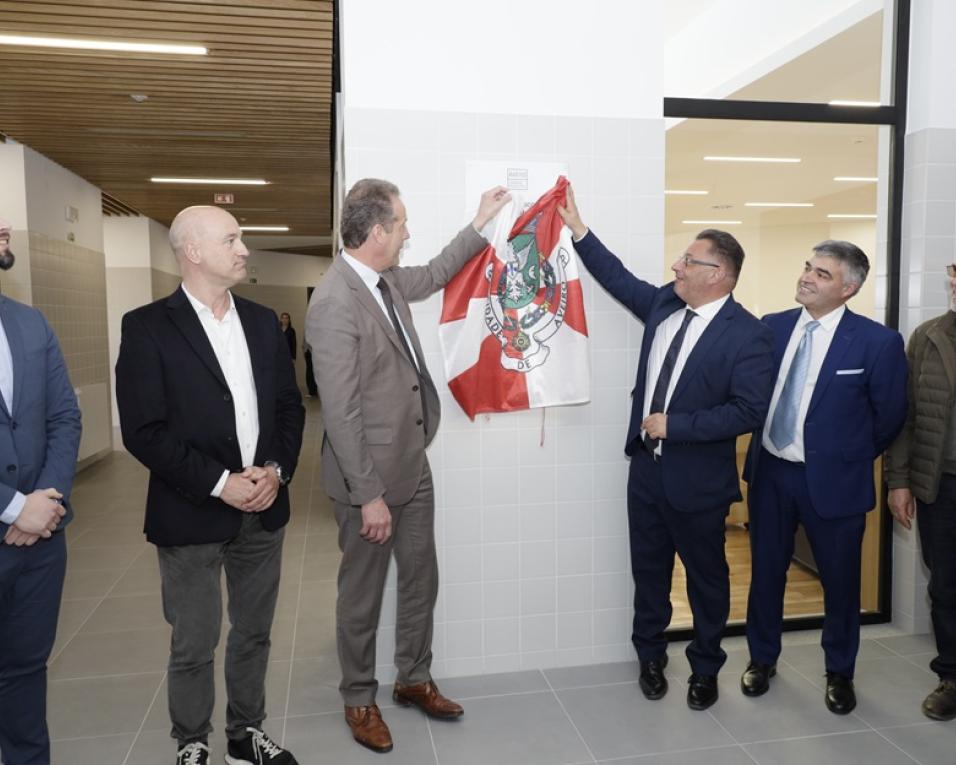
(257, 106)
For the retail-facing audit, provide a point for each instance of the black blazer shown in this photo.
(177, 416)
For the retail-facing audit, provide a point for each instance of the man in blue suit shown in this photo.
(838, 403)
(704, 378)
(39, 441)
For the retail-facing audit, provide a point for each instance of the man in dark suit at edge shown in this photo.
(704, 378)
(39, 441)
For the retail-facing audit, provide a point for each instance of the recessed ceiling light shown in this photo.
(861, 216)
(786, 160)
(217, 181)
(856, 178)
(111, 45)
(686, 192)
(778, 204)
(274, 229)
(843, 102)
(713, 222)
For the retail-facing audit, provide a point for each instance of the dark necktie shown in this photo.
(664, 378)
(393, 317)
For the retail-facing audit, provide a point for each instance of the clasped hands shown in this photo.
(41, 514)
(253, 490)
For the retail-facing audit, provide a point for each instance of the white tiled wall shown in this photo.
(929, 244)
(531, 518)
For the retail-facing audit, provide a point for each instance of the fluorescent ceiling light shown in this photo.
(278, 229)
(778, 204)
(788, 160)
(867, 216)
(840, 102)
(686, 192)
(713, 222)
(111, 45)
(856, 178)
(215, 181)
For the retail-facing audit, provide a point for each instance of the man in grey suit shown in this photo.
(39, 441)
(381, 410)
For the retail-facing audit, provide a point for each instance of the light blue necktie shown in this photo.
(783, 429)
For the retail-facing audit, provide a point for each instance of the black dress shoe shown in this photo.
(840, 696)
(702, 691)
(755, 681)
(653, 683)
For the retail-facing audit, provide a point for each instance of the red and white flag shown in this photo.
(513, 331)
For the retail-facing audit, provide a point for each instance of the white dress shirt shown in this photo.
(663, 338)
(228, 342)
(15, 506)
(370, 277)
(822, 337)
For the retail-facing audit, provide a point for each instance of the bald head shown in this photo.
(193, 224)
(208, 245)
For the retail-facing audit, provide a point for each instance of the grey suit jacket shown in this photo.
(372, 410)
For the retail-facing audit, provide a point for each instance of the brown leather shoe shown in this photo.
(368, 728)
(428, 698)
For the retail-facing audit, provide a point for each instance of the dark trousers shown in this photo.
(779, 499)
(937, 532)
(657, 531)
(362, 584)
(192, 604)
(310, 375)
(31, 583)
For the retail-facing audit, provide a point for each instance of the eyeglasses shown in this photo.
(688, 260)
(951, 270)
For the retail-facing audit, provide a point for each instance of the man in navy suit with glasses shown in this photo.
(704, 378)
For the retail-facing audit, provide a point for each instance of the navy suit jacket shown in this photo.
(177, 416)
(723, 391)
(40, 433)
(857, 409)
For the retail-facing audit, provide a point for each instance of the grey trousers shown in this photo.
(192, 604)
(361, 586)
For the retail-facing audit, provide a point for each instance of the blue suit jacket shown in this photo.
(40, 433)
(723, 391)
(857, 409)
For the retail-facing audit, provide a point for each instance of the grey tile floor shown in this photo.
(107, 675)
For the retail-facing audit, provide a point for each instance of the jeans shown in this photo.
(192, 604)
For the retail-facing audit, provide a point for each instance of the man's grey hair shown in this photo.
(854, 260)
(369, 202)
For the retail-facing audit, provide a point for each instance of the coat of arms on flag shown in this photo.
(513, 331)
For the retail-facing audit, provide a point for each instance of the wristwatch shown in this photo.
(284, 477)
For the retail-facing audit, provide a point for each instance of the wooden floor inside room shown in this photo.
(803, 597)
